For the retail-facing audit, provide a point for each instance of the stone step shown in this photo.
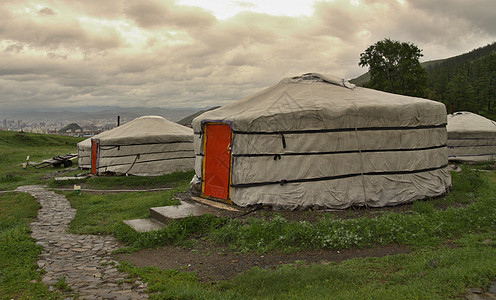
(166, 213)
(144, 225)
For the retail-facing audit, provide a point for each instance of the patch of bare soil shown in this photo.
(212, 263)
(59, 172)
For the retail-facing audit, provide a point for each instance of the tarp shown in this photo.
(148, 145)
(313, 140)
(471, 137)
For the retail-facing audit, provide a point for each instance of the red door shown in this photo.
(94, 155)
(216, 167)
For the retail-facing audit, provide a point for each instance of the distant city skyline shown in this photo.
(194, 53)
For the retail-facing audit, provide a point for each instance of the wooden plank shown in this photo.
(214, 204)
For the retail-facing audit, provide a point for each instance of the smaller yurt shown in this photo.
(148, 145)
(319, 141)
(84, 149)
(84, 154)
(471, 137)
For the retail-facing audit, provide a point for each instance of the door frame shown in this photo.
(204, 144)
(95, 151)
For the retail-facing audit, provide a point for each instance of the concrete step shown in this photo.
(166, 213)
(161, 216)
(144, 225)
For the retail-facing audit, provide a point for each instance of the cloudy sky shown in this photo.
(201, 53)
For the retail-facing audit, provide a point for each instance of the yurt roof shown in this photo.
(314, 101)
(465, 121)
(146, 129)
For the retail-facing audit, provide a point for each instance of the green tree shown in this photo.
(461, 94)
(394, 67)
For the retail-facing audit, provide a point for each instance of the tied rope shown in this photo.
(136, 158)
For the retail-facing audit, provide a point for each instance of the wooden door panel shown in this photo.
(217, 160)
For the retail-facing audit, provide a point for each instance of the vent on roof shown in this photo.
(316, 77)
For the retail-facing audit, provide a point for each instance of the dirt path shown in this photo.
(213, 263)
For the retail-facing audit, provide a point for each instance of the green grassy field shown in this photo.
(144, 182)
(452, 238)
(16, 146)
(19, 274)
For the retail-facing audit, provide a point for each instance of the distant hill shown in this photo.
(13, 139)
(465, 82)
(187, 120)
(462, 82)
(71, 128)
(363, 79)
(126, 113)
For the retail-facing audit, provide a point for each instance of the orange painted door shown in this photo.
(94, 155)
(217, 160)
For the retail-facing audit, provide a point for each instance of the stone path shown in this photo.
(82, 260)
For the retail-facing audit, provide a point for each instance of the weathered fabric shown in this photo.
(315, 141)
(471, 137)
(149, 145)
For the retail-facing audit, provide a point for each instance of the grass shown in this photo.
(427, 228)
(426, 274)
(16, 146)
(19, 274)
(102, 182)
(176, 232)
(62, 285)
(440, 273)
(424, 226)
(101, 214)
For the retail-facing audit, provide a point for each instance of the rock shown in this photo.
(476, 291)
(492, 288)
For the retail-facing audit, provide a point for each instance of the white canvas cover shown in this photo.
(312, 140)
(148, 145)
(84, 149)
(471, 137)
(84, 153)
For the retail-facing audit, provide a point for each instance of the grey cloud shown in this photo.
(189, 58)
(52, 35)
(441, 27)
(108, 9)
(56, 56)
(17, 48)
(47, 12)
(243, 59)
(154, 13)
(338, 19)
(479, 13)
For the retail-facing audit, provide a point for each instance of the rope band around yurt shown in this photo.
(383, 173)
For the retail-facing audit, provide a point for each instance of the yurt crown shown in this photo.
(316, 77)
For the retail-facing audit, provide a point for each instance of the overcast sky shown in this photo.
(201, 53)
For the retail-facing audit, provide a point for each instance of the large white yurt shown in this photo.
(148, 145)
(315, 140)
(471, 137)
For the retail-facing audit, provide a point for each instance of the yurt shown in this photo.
(149, 145)
(319, 141)
(471, 137)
